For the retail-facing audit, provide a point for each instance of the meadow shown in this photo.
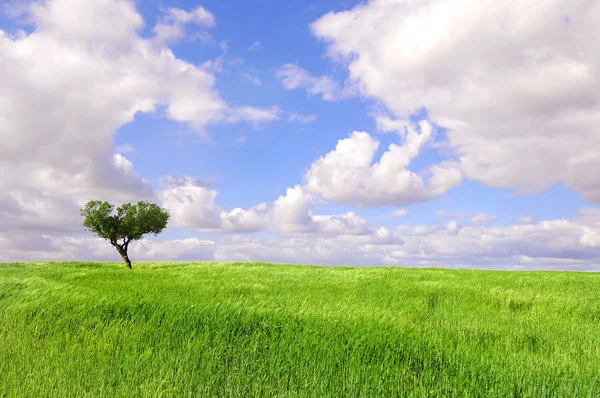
(243, 330)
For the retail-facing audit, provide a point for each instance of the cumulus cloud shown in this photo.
(514, 83)
(554, 244)
(108, 22)
(193, 206)
(589, 216)
(452, 226)
(524, 120)
(294, 77)
(68, 248)
(80, 73)
(348, 175)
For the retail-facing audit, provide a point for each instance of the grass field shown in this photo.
(243, 330)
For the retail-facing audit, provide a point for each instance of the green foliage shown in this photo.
(130, 222)
(245, 330)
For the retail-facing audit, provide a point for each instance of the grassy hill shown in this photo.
(209, 329)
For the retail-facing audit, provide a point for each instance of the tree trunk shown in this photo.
(127, 261)
(123, 253)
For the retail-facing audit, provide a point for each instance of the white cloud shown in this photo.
(556, 244)
(526, 120)
(68, 85)
(253, 114)
(452, 226)
(589, 216)
(386, 124)
(347, 175)
(515, 83)
(173, 250)
(293, 77)
(483, 218)
(105, 22)
(193, 205)
(143, 250)
(123, 164)
(172, 26)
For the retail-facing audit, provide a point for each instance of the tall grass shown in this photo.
(242, 330)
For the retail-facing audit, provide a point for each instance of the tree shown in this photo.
(130, 223)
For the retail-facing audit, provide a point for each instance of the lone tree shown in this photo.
(130, 222)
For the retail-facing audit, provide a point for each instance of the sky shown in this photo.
(423, 133)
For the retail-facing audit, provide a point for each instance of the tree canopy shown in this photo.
(129, 223)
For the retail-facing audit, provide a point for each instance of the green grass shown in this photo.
(244, 330)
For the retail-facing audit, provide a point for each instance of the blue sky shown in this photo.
(259, 168)
(263, 167)
(212, 106)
